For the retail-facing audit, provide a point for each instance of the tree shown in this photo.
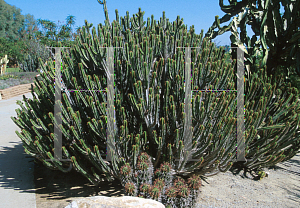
(15, 30)
(70, 22)
(30, 27)
(14, 49)
(51, 35)
(11, 21)
(21, 39)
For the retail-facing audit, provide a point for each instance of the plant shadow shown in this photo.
(56, 189)
(16, 169)
(238, 167)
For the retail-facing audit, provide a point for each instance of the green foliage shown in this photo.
(19, 37)
(16, 28)
(12, 50)
(13, 70)
(278, 33)
(18, 32)
(29, 28)
(34, 51)
(8, 76)
(36, 43)
(277, 52)
(52, 33)
(11, 21)
(146, 75)
(289, 74)
(271, 119)
(149, 87)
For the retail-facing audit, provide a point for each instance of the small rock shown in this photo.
(114, 202)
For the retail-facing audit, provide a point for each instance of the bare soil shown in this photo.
(231, 189)
(55, 189)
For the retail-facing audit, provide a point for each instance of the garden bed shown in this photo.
(16, 83)
(18, 78)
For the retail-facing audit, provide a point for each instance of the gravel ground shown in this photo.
(280, 189)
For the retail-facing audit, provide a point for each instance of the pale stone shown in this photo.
(115, 202)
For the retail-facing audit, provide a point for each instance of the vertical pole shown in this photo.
(57, 107)
(240, 106)
(110, 105)
(188, 134)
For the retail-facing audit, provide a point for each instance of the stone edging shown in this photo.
(15, 91)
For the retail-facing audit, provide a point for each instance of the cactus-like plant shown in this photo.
(278, 46)
(3, 63)
(35, 50)
(176, 193)
(278, 33)
(140, 117)
(150, 108)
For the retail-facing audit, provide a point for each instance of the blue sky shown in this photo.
(199, 13)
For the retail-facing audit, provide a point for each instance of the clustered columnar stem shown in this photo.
(149, 101)
(138, 182)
